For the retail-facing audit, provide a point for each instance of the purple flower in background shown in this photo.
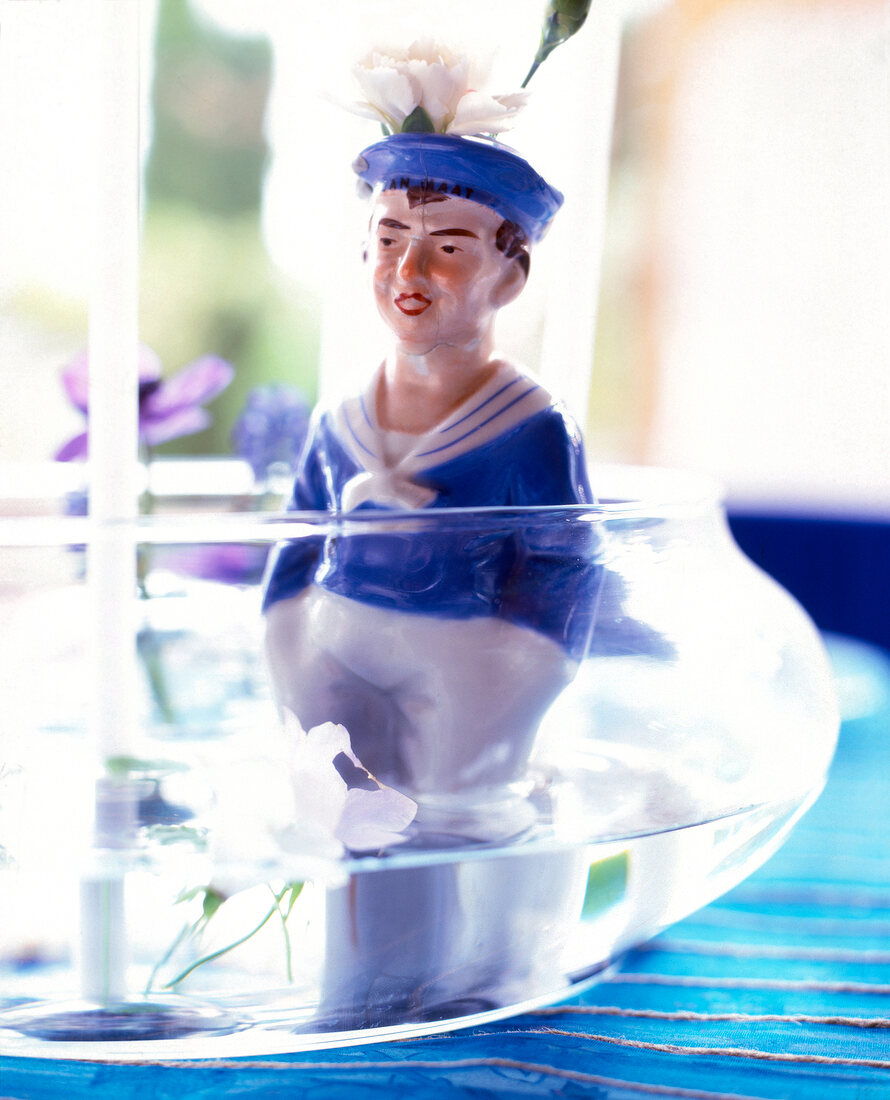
(168, 408)
(271, 428)
(234, 563)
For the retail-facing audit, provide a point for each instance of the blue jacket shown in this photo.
(515, 565)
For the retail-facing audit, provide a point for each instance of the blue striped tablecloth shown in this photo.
(780, 990)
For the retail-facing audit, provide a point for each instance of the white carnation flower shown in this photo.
(430, 77)
(331, 817)
(479, 113)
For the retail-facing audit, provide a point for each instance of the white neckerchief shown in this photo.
(507, 399)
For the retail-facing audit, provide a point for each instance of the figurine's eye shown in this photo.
(386, 241)
(449, 248)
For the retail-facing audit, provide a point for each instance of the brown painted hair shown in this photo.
(512, 241)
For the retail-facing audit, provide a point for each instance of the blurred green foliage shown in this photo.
(208, 284)
(208, 100)
(606, 885)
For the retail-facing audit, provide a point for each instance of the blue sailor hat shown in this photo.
(465, 168)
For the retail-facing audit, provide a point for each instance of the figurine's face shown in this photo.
(438, 276)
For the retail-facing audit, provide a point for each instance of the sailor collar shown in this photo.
(507, 399)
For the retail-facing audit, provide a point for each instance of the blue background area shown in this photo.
(839, 569)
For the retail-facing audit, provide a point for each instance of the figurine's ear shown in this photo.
(509, 285)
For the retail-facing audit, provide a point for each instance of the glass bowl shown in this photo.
(616, 719)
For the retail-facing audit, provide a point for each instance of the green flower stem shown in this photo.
(186, 931)
(562, 19)
(147, 646)
(292, 888)
(295, 890)
(150, 654)
(222, 951)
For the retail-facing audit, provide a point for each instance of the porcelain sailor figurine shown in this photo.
(438, 649)
(444, 423)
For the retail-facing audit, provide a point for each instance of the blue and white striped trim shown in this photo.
(508, 399)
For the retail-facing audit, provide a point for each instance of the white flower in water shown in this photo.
(426, 87)
(253, 801)
(289, 797)
(331, 816)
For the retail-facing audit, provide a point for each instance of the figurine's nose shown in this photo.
(411, 264)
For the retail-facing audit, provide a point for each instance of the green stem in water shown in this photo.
(294, 888)
(222, 951)
(148, 648)
(185, 933)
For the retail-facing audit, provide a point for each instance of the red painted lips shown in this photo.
(413, 304)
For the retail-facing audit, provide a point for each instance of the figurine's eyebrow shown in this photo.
(454, 233)
(391, 223)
